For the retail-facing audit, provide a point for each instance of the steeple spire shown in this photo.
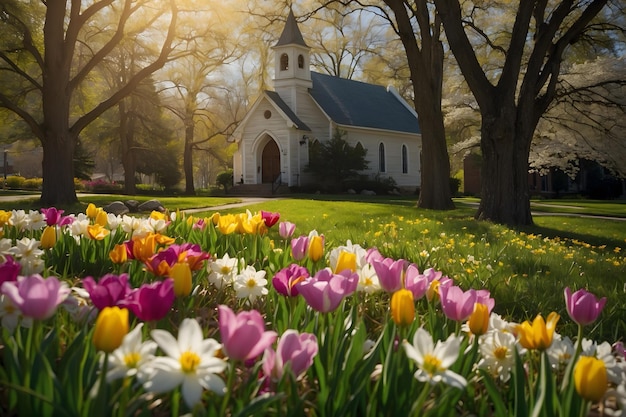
(291, 33)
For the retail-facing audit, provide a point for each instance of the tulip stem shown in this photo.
(229, 387)
(101, 402)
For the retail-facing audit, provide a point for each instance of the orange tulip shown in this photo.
(479, 320)
(538, 335)
(118, 255)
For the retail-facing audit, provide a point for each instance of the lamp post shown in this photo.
(4, 183)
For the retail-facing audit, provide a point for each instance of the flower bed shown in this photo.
(239, 315)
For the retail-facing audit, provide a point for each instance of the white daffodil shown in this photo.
(128, 359)
(250, 284)
(368, 280)
(497, 351)
(190, 362)
(19, 219)
(433, 360)
(5, 246)
(27, 249)
(560, 352)
(36, 220)
(222, 271)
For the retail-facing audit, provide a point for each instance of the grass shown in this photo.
(526, 270)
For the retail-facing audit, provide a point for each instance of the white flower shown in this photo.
(190, 361)
(250, 284)
(27, 249)
(113, 222)
(497, 350)
(19, 219)
(11, 316)
(433, 360)
(5, 246)
(222, 271)
(360, 253)
(78, 227)
(560, 352)
(368, 280)
(36, 220)
(128, 359)
(156, 225)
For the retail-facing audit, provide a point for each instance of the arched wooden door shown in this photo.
(270, 162)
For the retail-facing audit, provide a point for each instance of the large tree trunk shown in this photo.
(127, 140)
(505, 196)
(58, 171)
(188, 159)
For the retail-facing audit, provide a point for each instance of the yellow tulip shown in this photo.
(92, 211)
(345, 260)
(157, 215)
(479, 320)
(48, 237)
(402, 307)
(181, 274)
(110, 329)
(144, 247)
(163, 240)
(538, 335)
(97, 232)
(102, 218)
(316, 248)
(4, 217)
(590, 378)
(118, 255)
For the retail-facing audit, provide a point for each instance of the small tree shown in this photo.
(335, 161)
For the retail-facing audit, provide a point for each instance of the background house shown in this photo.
(274, 137)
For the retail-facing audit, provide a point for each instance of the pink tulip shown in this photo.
(286, 279)
(415, 282)
(582, 306)
(35, 296)
(9, 270)
(484, 297)
(325, 291)
(389, 273)
(456, 304)
(269, 218)
(373, 255)
(55, 217)
(243, 335)
(151, 302)
(294, 352)
(286, 229)
(109, 291)
(299, 247)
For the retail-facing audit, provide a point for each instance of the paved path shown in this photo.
(245, 201)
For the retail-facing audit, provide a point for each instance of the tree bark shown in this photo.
(58, 171)
(188, 159)
(129, 161)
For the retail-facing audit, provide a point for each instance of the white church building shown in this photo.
(275, 135)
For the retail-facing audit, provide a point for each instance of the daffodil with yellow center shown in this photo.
(129, 359)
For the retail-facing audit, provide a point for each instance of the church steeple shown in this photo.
(292, 75)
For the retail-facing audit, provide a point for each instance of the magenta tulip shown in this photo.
(108, 291)
(389, 273)
(151, 302)
(456, 304)
(243, 334)
(299, 247)
(55, 217)
(269, 218)
(35, 296)
(582, 306)
(415, 282)
(285, 280)
(325, 291)
(294, 352)
(9, 270)
(286, 229)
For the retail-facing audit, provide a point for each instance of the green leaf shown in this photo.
(521, 408)
(494, 393)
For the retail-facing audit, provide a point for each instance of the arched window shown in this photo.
(405, 160)
(358, 147)
(300, 61)
(284, 62)
(381, 157)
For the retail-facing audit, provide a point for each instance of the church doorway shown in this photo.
(270, 162)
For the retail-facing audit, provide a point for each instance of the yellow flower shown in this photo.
(345, 260)
(590, 378)
(48, 237)
(157, 215)
(181, 274)
(226, 224)
(316, 248)
(118, 255)
(4, 217)
(101, 218)
(110, 329)
(479, 320)
(538, 335)
(402, 307)
(97, 232)
(144, 247)
(164, 240)
(92, 211)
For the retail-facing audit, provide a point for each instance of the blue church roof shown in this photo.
(273, 95)
(354, 103)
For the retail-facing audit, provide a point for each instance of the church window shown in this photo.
(284, 62)
(405, 160)
(381, 158)
(300, 61)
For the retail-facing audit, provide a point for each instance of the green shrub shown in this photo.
(225, 179)
(32, 184)
(15, 181)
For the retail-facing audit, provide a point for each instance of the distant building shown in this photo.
(274, 137)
